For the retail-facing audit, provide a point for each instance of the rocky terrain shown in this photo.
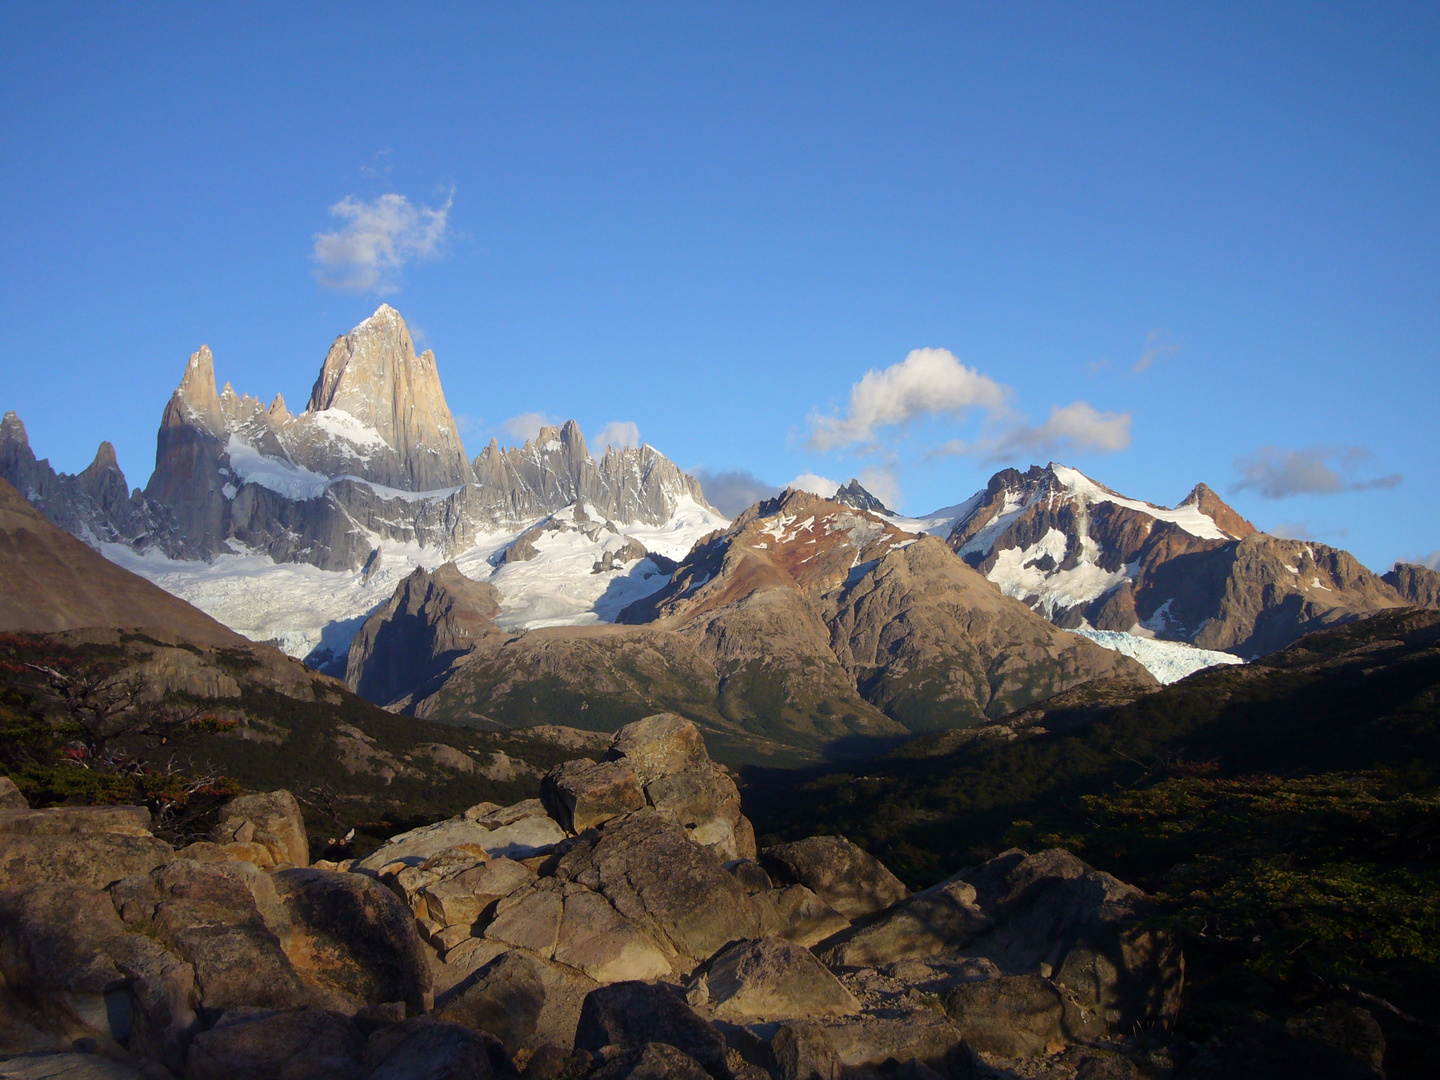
(1082, 554)
(624, 925)
(805, 624)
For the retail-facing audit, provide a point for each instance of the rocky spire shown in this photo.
(195, 402)
(373, 374)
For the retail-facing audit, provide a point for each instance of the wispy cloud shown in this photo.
(1432, 560)
(926, 382)
(617, 433)
(1318, 470)
(1306, 530)
(1155, 348)
(378, 238)
(527, 425)
(815, 484)
(733, 490)
(1074, 428)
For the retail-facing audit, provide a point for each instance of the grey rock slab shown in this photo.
(659, 745)
(631, 1014)
(914, 1035)
(803, 1052)
(530, 918)
(674, 891)
(845, 876)
(1089, 927)
(653, 1061)
(606, 946)
(75, 821)
(1015, 1016)
(520, 839)
(769, 979)
(941, 919)
(65, 1067)
(460, 898)
(797, 914)
(89, 859)
(505, 998)
(429, 1048)
(10, 796)
(257, 1044)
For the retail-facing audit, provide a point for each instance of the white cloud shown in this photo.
(926, 382)
(617, 433)
(1432, 560)
(816, 485)
(1318, 470)
(527, 425)
(379, 237)
(1307, 530)
(1155, 348)
(1075, 428)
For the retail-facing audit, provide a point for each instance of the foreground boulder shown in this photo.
(581, 794)
(629, 1015)
(844, 876)
(667, 755)
(354, 938)
(678, 893)
(767, 979)
(1084, 926)
(272, 821)
(255, 1044)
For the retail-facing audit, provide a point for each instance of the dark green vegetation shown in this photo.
(1286, 814)
(185, 748)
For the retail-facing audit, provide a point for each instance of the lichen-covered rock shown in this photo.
(273, 820)
(208, 915)
(424, 1047)
(258, 1044)
(76, 821)
(69, 963)
(797, 914)
(581, 794)
(93, 860)
(848, 878)
(354, 937)
(632, 1014)
(671, 889)
(769, 979)
(505, 998)
(940, 919)
(1052, 908)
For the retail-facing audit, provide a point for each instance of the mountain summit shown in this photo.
(374, 394)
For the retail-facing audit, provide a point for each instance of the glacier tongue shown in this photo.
(1168, 661)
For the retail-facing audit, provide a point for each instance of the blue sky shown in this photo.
(1163, 243)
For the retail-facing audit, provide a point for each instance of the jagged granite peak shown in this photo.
(195, 402)
(373, 375)
(853, 494)
(1081, 554)
(95, 504)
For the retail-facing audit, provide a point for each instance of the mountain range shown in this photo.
(538, 582)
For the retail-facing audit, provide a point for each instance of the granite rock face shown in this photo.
(376, 454)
